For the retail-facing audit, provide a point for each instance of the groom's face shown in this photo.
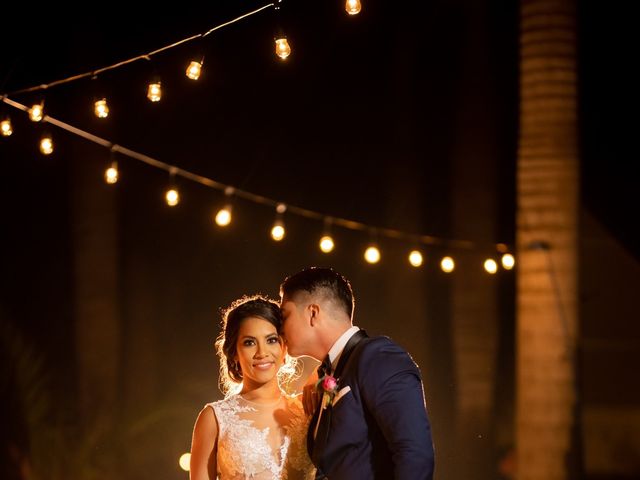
(295, 327)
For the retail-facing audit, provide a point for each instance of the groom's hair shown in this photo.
(325, 280)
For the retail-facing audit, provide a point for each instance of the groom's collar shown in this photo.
(338, 347)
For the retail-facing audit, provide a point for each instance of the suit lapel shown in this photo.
(316, 446)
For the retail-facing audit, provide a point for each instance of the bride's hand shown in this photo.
(309, 394)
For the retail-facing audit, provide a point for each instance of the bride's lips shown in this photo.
(263, 365)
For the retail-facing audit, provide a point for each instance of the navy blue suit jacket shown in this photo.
(379, 428)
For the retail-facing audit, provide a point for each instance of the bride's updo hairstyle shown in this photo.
(226, 343)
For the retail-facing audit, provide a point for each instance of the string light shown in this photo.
(224, 215)
(5, 127)
(507, 261)
(353, 7)
(490, 266)
(195, 69)
(154, 91)
(46, 144)
(185, 461)
(326, 243)
(277, 230)
(101, 108)
(283, 49)
(111, 173)
(447, 264)
(372, 254)
(415, 258)
(36, 112)
(171, 196)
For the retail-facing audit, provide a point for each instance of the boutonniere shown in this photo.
(329, 388)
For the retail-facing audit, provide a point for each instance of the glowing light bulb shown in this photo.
(46, 145)
(372, 254)
(194, 70)
(154, 92)
(101, 109)
(326, 244)
(278, 231)
(172, 197)
(353, 7)
(447, 264)
(111, 174)
(490, 266)
(184, 461)
(36, 112)
(415, 258)
(283, 50)
(508, 261)
(6, 128)
(223, 217)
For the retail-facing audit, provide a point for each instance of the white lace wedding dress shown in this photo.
(262, 442)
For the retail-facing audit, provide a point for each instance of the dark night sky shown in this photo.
(359, 123)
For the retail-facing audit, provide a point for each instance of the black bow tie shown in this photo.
(325, 367)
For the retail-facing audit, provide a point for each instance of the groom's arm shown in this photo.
(391, 388)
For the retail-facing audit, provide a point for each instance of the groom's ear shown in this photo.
(314, 310)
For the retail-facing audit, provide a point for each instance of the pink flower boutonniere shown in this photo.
(329, 387)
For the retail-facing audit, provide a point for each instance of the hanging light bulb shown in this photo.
(283, 49)
(172, 197)
(195, 69)
(111, 173)
(5, 127)
(154, 91)
(223, 217)
(185, 461)
(46, 144)
(447, 264)
(277, 230)
(36, 112)
(100, 108)
(353, 7)
(508, 261)
(372, 254)
(490, 266)
(415, 258)
(326, 243)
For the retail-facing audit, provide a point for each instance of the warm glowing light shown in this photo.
(372, 254)
(194, 70)
(508, 261)
(283, 50)
(6, 128)
(415, 258)
(447, 264)
(326, 244)
(277, 231)
(101, 109)
(46, 145)
(172, 197)
(223, 217)
(111, 174)
(184, 462)
(353, 7)
(36, 112)
(154, 92)
(490, 266)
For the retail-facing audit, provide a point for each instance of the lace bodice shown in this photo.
(262, 442)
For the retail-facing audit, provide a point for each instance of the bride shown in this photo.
(257, 432)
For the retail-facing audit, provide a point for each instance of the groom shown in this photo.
(373, 424)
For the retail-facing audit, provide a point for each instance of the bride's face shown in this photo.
(259, 350)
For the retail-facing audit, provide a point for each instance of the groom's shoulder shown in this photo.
(381, 347)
